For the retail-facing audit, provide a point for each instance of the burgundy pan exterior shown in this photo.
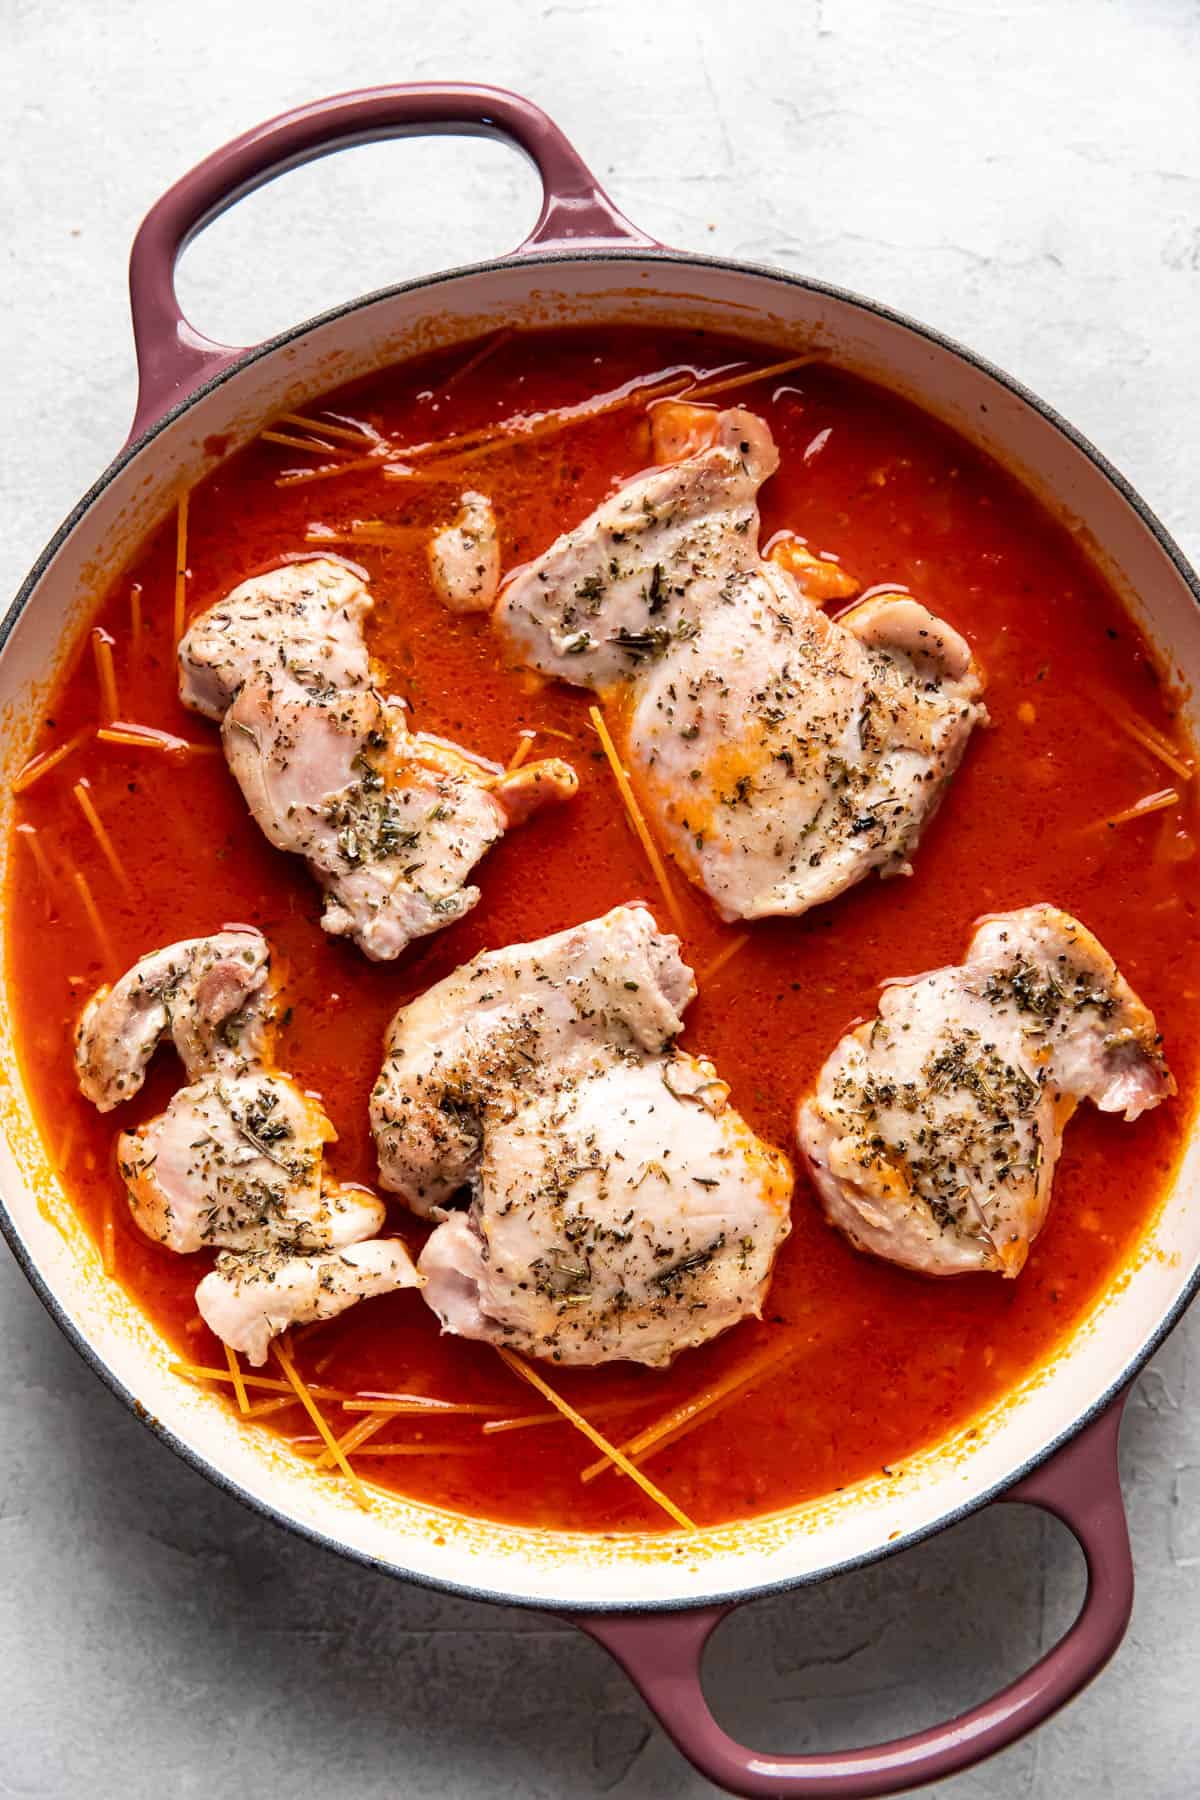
(661, 1652)
(174, 359)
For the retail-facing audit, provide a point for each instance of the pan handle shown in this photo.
(662, 1653)
(174, 358)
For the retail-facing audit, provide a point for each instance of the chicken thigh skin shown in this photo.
(211, 995)
(933, 1130)
(236, 1161)
(616, 1205)
(464, 1048)
(464, 557)
(391, 822)
(783, 754)
(248, 1300)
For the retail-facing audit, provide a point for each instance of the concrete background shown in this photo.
(1025, 177)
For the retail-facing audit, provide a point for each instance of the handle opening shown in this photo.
(662, 1654)
(342, 226)
(174, 358)
(886, 1650)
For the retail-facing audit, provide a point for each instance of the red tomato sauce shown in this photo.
(885, 1362)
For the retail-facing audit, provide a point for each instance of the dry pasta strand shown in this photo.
(235, 1375)
(106, 674)
(357, 1434)
(1141, 809)
(349, 434)
(108, 1238)
(635, 816)
(296, 443)
(135, 616)
(683, 1417)
(149, 737)
(421, 1450)
(451, 465)
(522, 427)
(522, 751)
(1149, 738)
(684, 1426)
(181, 570)
(263, 1409)
(40, 765)
(707, 389)
(30, 835)
(526, 1421)
(406, 1405)
(1157, 747)
(268, 1383)
(87, 807)
(95, 920)
(722, 957)
(610, 1451)
(298, 477)
(486, 349)
(318, 1418)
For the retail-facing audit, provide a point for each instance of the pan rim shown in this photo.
(93, 1357)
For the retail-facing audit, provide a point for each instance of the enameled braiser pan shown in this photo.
(651, 1600)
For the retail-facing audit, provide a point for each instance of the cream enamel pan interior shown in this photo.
(522, 1566)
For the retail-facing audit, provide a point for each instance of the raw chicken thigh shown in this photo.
(460, 1049)
(303, 621)
(464, 558)
(391, 822)
(211, 994)
(235, 1161)
(934, 1129)
(249, 1299)
(783, 754)
(616, 1206)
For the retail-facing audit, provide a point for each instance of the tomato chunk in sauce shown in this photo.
(880, 1363)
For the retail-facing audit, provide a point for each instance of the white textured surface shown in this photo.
(1027, 179)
